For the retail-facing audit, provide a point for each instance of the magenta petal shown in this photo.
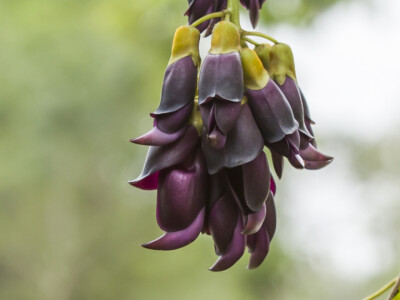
(272, 186)
(256, 182)
(148, 183)
(178, 239)
(156, 137)
(255, 221)
(260, 249)
(234, 252)
(161, 157)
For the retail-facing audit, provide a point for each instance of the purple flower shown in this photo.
(283, 72)
(253, 6)
(178, 91)
(200, 8)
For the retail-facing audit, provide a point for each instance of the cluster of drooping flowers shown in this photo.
(206, 157)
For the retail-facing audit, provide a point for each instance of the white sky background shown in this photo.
(348, 65)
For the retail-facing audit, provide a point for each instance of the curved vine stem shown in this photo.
(383, 289)
(250, 41)
(219, 14)
(260, 34)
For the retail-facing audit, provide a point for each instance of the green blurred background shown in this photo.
(77, 80)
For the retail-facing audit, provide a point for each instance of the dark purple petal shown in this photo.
(148, 183)
(234, 153)
(253, 6)
(272, 112)
(162, 157)
(255, 221)
(178, 239)
(222, 222)
(270, 219)
(234, 252)
(259, 248)
(182, 193)
(156, 137)
(289, 147)
(256, 182)
(174, 121)
(292, 93)
(307, 114)
(179, 86)
(226, 114)
(277, 161)
(221, 76)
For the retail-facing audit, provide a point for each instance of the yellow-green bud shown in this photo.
(263, 51)
(225, 38)
(282, 63)
(186, 43)
(195, 118)
(255, 76)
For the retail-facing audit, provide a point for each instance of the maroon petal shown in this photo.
(162, 157)
(156, 137)
(221, 76)
(226, 114)
(272, 186)
(234, 252)
(314, 159)
(277, 161)
(179, 86)
(198, 9)
(148, 183)
(272, 112)
(256, 182)
(289, 147)
(292, 94)
(270, 219)
(234, 153)
(182, 193)
(222, 222)
(178, 239)
(260, 248)
(255, 221)
(174, 121)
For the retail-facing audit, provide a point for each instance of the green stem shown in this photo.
(233, 8)
(219, 14)
(382, 290)
(260, 34)
(250, 41)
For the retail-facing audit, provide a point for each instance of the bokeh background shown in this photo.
(78, 79)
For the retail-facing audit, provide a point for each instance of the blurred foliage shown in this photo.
(295, 11)
(77, 80)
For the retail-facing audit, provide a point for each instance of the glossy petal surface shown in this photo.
(179, 86)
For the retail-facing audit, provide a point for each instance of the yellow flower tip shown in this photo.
(255, 76)
(186, 42)
(282, 63)
(225, 38)
(263, 51)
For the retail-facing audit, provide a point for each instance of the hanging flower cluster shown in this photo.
(206, 157)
